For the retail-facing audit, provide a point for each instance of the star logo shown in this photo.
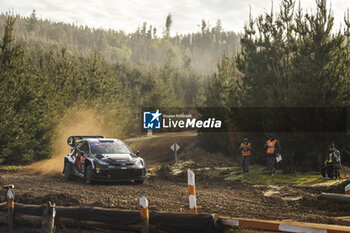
(151, 120)
(156, 115)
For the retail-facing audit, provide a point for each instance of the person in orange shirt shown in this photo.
(245, 149)
(273, 149)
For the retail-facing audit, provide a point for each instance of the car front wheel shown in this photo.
(88, 174)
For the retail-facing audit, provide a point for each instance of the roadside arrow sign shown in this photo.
(175, 147)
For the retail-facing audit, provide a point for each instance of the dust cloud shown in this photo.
(75, 122)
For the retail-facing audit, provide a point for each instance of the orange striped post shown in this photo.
(10, 195)
(144, 214)
(191, 191)
(347, 189)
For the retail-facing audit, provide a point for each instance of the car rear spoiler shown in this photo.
(71, 141)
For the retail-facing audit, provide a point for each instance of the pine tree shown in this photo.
(168, 24)
(32, 22)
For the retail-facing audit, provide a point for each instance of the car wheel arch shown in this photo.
(89, 162)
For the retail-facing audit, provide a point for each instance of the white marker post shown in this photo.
(10, 194)
(144, 214)
(48, 220)
(191, 191)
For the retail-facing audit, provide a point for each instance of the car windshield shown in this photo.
(109, 148)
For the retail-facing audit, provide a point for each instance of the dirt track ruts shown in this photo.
(213, 196)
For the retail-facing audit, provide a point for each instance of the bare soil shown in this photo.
(168, 192)
(228, 198)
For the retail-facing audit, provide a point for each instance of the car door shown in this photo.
(85, 153)
(80, 159)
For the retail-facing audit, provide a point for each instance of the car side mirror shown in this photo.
(71, 141)
(137, 153)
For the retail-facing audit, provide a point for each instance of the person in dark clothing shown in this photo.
(245, 149)
(331, 164)
(273, 149)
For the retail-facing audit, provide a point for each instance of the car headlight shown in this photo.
(101, 162)
(139, 162)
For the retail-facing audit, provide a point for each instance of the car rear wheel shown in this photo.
(88, 174)
(67, 171)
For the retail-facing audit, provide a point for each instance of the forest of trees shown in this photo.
(289, 58)
(39, 85)
(200, 51)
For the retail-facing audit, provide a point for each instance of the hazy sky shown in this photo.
(127, 15)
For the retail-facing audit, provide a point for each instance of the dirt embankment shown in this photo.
(156, 149)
